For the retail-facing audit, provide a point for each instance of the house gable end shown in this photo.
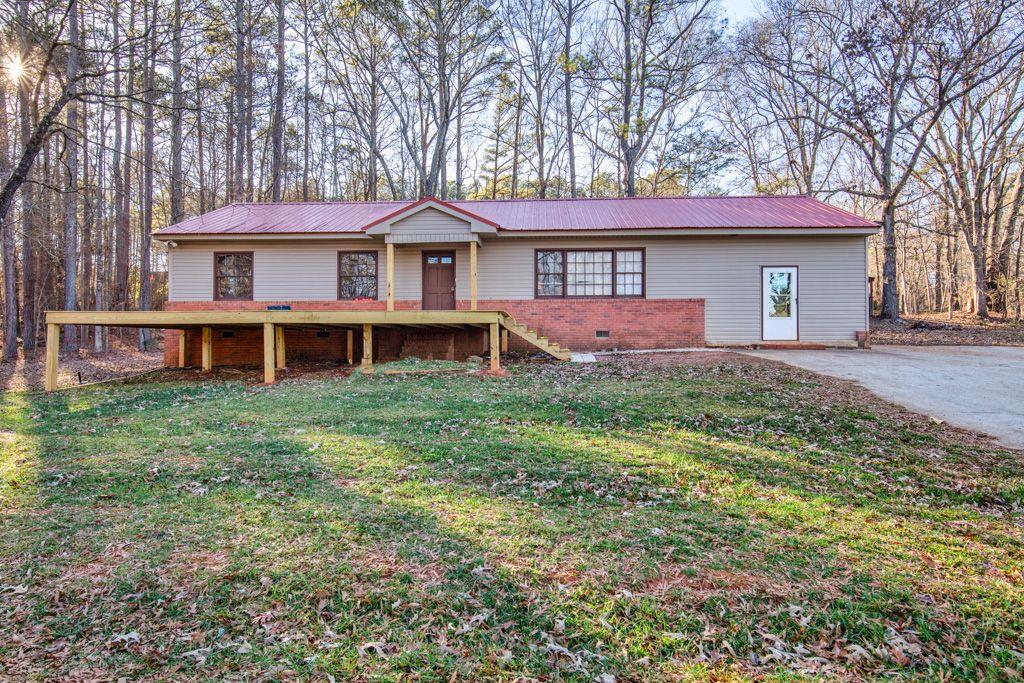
(431, 216)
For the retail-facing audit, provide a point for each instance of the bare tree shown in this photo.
(651, 57)
(893, 68)
(437, 40)
(360, 41)
(974, 169)
(71, 186)
(533, 42)
(279, 94)
(176, 112)
(569, 14)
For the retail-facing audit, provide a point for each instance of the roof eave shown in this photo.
(610, 232)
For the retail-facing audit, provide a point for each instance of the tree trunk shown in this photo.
(7, 250)
(249, 117)
(979, 294)
(237, 190)
(890, 285)
(278, 160)
(70, 336)
(567, 87)
(516, 140)
(305, 103)
(200, 153)
(149, 131)
(28, 202)
(177, 106)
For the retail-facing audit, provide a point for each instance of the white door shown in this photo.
(778, 303)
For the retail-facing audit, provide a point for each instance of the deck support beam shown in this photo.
(504, 340)
(52, 357)
(495, 347)
(472, 275)
(182, 347)
(391, 276)
(268, 353)
(349, 339)
(279, 353)
(207, 349)
(367, 348)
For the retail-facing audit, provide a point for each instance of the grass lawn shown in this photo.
(638, 520)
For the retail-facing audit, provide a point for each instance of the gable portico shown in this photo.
(437, 225)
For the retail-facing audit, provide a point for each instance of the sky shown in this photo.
(738, 10)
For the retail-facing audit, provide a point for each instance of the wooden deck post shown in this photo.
(367, 347)
(268, 353)
(181, 348)
(472, 275)
(279, 346)
(391, 276)
(504, 340)
(207, 349)
(495, 348)
(349, 340)
(52, 350)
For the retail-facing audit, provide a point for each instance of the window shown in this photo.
(589, 272)
(629, 272)
(232, 275)
(550, 273)
(357, 275)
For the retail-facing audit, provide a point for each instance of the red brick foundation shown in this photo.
(572, 323)
(630, 323)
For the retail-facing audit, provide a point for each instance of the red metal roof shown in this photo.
(532, 215)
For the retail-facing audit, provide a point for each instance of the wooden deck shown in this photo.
(498, 324)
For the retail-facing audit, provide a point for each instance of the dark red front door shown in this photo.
(438, 280)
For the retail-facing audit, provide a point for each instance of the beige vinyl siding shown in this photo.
(409, 271)
(430, 222)
(299, 271)
(190, 274)
(725, 272)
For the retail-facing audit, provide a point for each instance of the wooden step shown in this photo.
(543, 343)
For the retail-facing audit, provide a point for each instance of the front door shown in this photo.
(779, 303)
(438, 280)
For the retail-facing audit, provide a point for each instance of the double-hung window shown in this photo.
(357, 275)
(589, 273)
(232, 275)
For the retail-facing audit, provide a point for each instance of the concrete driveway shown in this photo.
(977, 387)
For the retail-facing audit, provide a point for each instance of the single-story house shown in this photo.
(586, 274)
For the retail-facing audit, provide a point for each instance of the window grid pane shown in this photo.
(550, 273)
(233, 276)
(629, 272)
(589, 273)
(357, 272)
(583, 273)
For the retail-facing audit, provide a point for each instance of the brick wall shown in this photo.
(573, 323)
(630, 323)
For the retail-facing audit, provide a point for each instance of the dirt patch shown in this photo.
(79, 368)
(100, 568)
(939, 329)
(386, 563)
(709, 583)
(305, 371)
